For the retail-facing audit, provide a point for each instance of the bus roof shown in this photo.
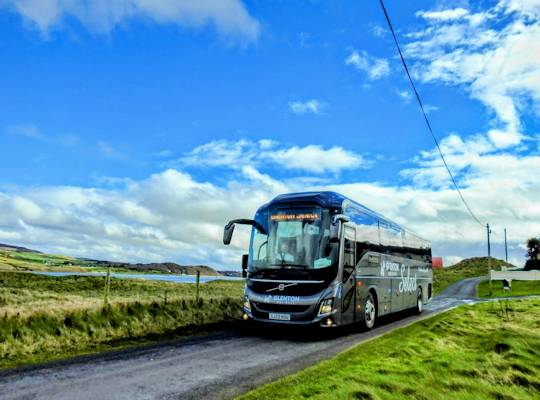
(329, 200)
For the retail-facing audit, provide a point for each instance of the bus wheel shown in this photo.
(370, 313)
(419, 302)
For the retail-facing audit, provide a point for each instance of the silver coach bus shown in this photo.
(322, 258)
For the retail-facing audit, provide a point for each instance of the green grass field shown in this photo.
(44, 317)
(469, 268)
(519, 288)
(18, 261)
(486, 351)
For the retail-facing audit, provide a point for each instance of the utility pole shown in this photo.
(505, 246)
(489, 259)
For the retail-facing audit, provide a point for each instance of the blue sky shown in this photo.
(136, 130)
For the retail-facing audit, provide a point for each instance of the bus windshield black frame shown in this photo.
(296, 244)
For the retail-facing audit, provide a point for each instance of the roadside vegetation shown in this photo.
(486, 351)
(46, 317)
(468, 268)
(518, 288)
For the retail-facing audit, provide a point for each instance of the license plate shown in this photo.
(282, 317)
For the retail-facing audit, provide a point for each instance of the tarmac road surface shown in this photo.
(221, 365)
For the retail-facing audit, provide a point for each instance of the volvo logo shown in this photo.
(281, 287)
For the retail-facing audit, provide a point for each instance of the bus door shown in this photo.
(348, 277)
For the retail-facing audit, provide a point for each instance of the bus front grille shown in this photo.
(285, 308)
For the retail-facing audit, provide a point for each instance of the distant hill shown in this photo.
(19, 249)
(467, 268)
(167, 267)
(22, 259)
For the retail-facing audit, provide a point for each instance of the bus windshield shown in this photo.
(296, 239)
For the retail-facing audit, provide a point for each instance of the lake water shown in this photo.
(170, 278)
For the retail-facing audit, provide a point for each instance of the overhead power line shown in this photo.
(425, 116)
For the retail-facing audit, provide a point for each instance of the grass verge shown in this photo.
(485, 351)
(468, 268)
(519, 288)
(44, 318)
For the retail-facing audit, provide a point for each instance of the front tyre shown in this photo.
(370, 313)
(419, 302)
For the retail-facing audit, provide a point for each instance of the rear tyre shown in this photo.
(419, 302)
(370, 313)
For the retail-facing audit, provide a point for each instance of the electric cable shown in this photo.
(425, 116)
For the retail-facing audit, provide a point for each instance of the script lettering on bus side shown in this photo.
(407, 283)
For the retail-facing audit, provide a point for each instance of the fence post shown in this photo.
(107, 284)
(198, 281)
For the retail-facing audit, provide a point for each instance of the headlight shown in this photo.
(246, 303)
(326, 306)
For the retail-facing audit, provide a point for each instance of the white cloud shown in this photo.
(375, 67)
(229, 17)
(498, 66)
(28, 130)
(164, 153)
(446, 15)
(379, 32)
(315, 159)
(237, 155)
(170, 216)
(405, 95)
(312, 106)
(110, 152)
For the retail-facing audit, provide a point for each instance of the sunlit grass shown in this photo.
(47, 317)
(518, 288)
(485, 351)
(469, 268)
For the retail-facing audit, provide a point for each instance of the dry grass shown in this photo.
(46, 317)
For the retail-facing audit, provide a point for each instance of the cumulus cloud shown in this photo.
(375, 67)
(312, 106)
(229, 17)
(236, 155)
(498, 66)
(170, 216)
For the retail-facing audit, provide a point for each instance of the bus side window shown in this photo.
(384, 237)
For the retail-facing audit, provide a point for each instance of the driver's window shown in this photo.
(259, 246)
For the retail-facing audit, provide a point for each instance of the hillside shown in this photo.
(18, 249)
(166, 268)
(468, 268)
(15, 258)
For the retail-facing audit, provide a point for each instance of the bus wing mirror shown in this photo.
(335, 227)
(227, 233)
(229, 228)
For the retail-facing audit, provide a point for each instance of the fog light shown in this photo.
(329, 322)
(358, 306)
(245, 316)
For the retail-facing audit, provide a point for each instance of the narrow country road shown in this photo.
(215, 366)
